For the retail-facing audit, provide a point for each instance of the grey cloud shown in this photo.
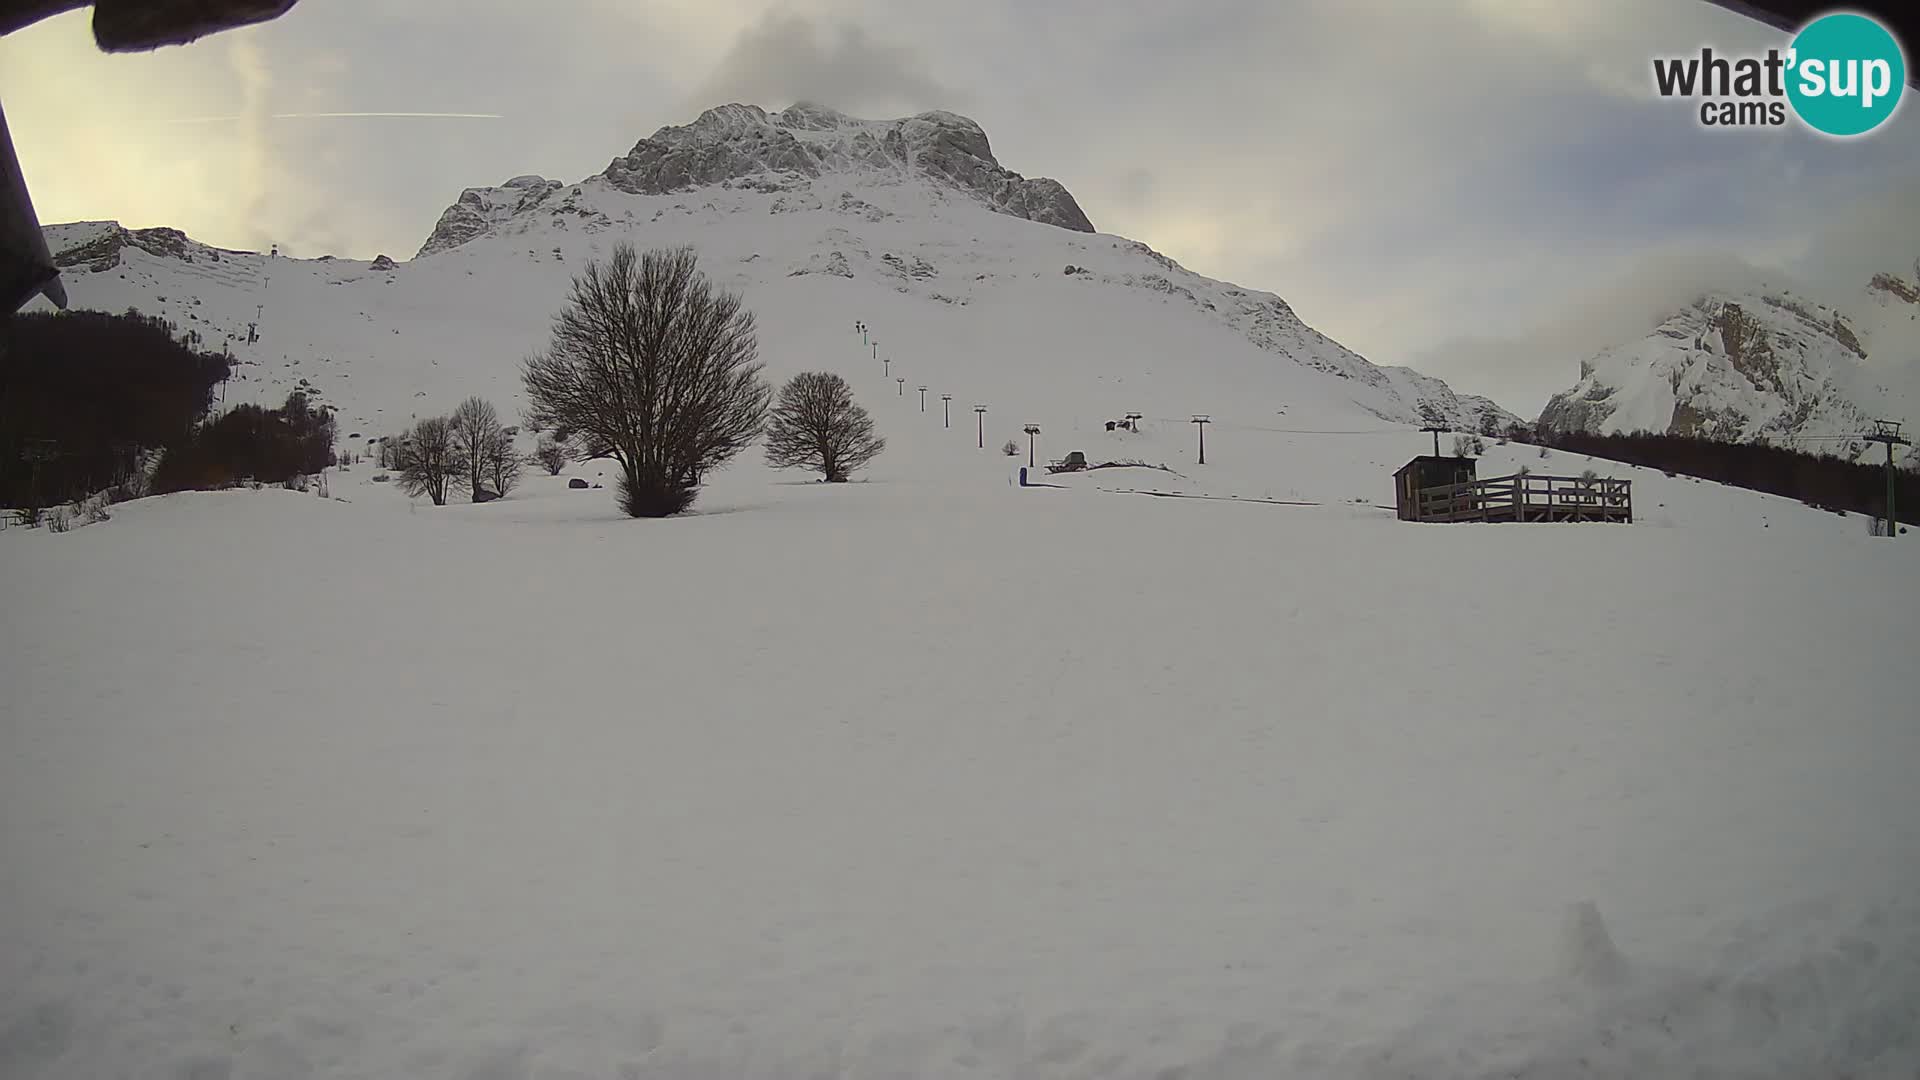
(1878, 234)
(1521, 366)
(788, 57)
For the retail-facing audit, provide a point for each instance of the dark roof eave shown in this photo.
(26, 266)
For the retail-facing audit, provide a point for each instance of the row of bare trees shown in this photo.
(468, 449)
(652, 366)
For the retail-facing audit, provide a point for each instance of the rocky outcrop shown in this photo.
(1739, 368)
(99, 248)
(1898, 288)
(745, 147)
(381, 262)
(479, 211)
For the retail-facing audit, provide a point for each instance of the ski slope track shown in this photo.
(1165, 770)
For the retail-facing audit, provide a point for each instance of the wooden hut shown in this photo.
(1423, 472)
(1432, 488)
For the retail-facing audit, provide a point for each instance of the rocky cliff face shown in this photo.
(745, 146)
(479, 210)
(97, 246)
(1739, 368)
(735, 142)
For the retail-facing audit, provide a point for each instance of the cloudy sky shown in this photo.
(1481, 188)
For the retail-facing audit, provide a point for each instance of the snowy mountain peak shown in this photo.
(808, 140)
(1766, 366)
(96, 246)
(744, 144)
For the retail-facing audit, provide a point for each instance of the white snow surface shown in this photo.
(931, 774)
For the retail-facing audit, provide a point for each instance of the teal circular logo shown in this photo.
(1846, 74)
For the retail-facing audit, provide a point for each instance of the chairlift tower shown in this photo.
(1888, 432)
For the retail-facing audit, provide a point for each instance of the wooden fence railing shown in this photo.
(1528, 497)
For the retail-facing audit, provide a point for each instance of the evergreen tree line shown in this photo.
(1820, 480)
(84, 393)
(268, 446)
(85, 396)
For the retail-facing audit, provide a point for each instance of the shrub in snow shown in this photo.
(652, 365)
(1544, 451)
(1011, 449)
(504, 465)
(60, 519)
(250, 441)
(817, 425)
(551, 454)
(486, 447)
(428, 460)
(381, 478)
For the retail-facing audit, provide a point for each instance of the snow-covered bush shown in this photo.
(59, 519)
(1011, 449)
(551, 454)
(675, 404)
(817, 425)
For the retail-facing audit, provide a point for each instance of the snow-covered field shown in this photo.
(935, 776)
(929, 774)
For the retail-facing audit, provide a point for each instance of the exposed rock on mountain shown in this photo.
(1757, 367)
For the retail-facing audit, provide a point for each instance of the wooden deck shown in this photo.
(1528, 497)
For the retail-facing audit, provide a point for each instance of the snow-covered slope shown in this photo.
(1759, 365)
(1197, 771)
(819, 220)
(930, 776)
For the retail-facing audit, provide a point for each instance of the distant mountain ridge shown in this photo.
(1759, 366)
(779, 152)
(807, 210)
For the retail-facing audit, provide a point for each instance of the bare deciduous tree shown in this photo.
(552, 454)
(476, 435)
(651, 365)
(427, 459)
(817, 425)
(503, 464)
